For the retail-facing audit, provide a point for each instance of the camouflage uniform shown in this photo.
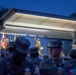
(47, 68)
(72, 61)
(72, 55)
(63, 64)
(50, 67)
(73, 64)
(35, 61)
(7, 67)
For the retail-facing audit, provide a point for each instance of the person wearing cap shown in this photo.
(55, 61)
(16, 64)
(55, 49)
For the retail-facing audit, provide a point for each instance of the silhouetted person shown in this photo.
(16, 64)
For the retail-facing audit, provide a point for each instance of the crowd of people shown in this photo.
(22, 60)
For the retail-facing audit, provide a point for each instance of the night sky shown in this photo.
(58, 7)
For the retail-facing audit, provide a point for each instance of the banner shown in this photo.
(4, 41)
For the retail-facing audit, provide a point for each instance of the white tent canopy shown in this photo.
(34, 24)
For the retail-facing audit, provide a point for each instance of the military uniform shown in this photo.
(7, 67)
(62, 64)
(72, 55)
(72, 61)
(36, 60)
(50, 66)
(72, 67)
(53, 65)
(47, 68)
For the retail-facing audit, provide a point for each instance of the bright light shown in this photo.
(30, 29)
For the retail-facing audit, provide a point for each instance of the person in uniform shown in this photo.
(55, 64)
(34, 55)
(34, 58)
(16, 64)
(72, 61)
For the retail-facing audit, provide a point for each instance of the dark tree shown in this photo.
(3, 11)
(73, 14)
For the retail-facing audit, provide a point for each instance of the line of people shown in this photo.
(17, 62)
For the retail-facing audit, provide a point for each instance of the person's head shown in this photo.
(34, 52)
(55, 48)
(21, 49)
(72, 53)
